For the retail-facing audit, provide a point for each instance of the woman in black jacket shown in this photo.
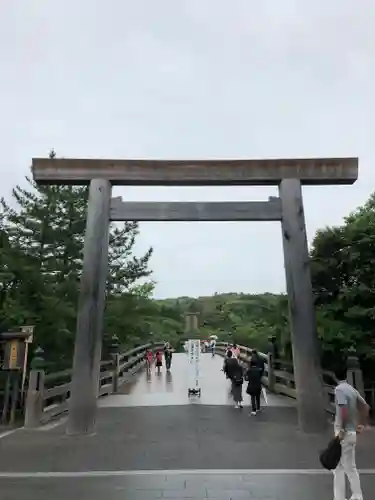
(234, 372)
(254, 386)
(259, 361)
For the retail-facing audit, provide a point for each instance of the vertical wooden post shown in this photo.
(271, 372)
(191, 323)
(187, 323)
(88, 343)
(116, 372)
(8, 386)
(34, 399)
(24, 371)
(307, 370)
(14, 396)
(195, 322)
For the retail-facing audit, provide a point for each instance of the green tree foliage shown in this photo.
(343, 272)
(42, 236)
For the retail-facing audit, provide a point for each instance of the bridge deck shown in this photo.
(153, 442)
(171, 389)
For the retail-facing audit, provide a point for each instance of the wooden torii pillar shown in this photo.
(288, 174)
(191, 323)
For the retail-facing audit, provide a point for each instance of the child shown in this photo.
(159, 361)
(148, 358)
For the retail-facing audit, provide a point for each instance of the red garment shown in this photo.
(236, 352)
(159, 356)
(149, 356)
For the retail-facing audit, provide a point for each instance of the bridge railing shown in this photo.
(244, 357)
(279, 376)
(285, 383)
(48, 394)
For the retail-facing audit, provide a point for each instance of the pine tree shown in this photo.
(125, 269)
(46, 234)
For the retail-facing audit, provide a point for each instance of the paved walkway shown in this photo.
(171, 389)
(153, 442)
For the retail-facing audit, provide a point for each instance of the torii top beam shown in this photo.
(310, 171)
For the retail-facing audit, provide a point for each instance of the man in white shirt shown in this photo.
(349, 404)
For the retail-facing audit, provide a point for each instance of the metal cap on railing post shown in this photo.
(115, 344)
(354, 374)
(352, 361)
(37, 361)
(273, 348)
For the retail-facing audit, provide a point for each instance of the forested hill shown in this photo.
(246, 319)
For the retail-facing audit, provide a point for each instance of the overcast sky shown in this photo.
(194, 79)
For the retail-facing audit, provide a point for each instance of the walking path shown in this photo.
(171, 389)
(153, 442)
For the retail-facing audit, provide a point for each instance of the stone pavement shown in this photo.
(147, 447)
(182, 485)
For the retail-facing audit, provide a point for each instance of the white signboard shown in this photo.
(194, 352)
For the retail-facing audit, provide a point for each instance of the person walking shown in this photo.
(234, 372)
(236, 351)
(254, 386)
(168, 356)
(258, 360)
(213, 346)
(158, 361)
(148, 358)
(350, 405)
(224, 368)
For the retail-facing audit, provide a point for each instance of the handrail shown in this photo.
(48, 394)
(244, 357)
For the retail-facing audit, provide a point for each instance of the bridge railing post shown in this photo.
(354, 374)
(34, 399)
(116, 372)
(271, 372)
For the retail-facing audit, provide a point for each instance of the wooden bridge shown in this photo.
(153, 441)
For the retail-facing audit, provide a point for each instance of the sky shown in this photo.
(180, 79)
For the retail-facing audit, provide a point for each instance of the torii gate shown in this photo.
(287, 174)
